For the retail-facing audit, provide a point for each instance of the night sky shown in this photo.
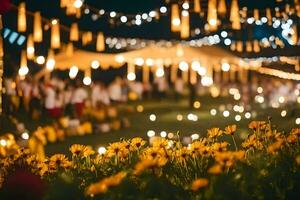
(155, 30)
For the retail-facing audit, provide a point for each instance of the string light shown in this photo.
(163, 134)
(238, 118)
(87, 80)
(226, 113)
(225, 67)
(183, 66)
(213, 112)
(152, 117)
(206, 81)
(95, 64)
(78, 3)
(25, 136)
(40, 60)
(101, 150)
(163, 9)
(131, 76)
(73, 72)
(150, 133)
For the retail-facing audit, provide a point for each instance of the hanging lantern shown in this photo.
(287, 9)
(256, 14)
(74, 32)
(197, 6)
(55, 34)
(212, 15)
(175, 18)
(100, 46)
(248, 46)
(146, 70)
(22, 17)
(239, 46)
(64, 3)
(23, 70)
(87, 80)
(185, 25)
(131, 72)
(70, 8)
(193, 76)
(160, 72)
(297, 66)
(298, 9)
(37, 27)
(185, 76)
(87, 37)
(173, 73)
(294, 37)
(50, 63)
(243, 12)
(69, 49)
(256, 47)
(233, 46)
(232, 73)
(269, 16)
(234, 15)
(277, 13)
(222, 8)
(30, 47)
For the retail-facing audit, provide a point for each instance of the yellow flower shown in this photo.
(295, 131)
(216, 169)
(153, 152)
(59, 160)
(214, 132)
(103, 185)
(252, 142)
(230, 130)
(143, 165)
(199, 183)
(81, 150)
(117, 149)
(257, 125)
(149, 163)
(160, 142)
(220, 146)
(273, 148)
(239, 155)
(292, 139)
(42, 168)
(137, 143)
(298, 159)
(182, 154)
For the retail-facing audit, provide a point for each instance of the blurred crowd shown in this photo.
(69, 98)
(64, 97)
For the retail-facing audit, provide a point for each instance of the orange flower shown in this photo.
(298, 159)
(292, 139)
(220, 146)
(216, 169)
(103, 185)
(199, 183)
(137, 143)
(81, 150)
(59, 160)
(230, 130)
(214, 132)
(273, 148)
(295, 131)
(257, 125)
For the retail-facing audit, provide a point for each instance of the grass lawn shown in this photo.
(166, 111)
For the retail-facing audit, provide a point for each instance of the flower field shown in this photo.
(264, 166)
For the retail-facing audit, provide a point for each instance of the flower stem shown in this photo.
(234, 142)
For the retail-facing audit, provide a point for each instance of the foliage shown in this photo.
(264, 166)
